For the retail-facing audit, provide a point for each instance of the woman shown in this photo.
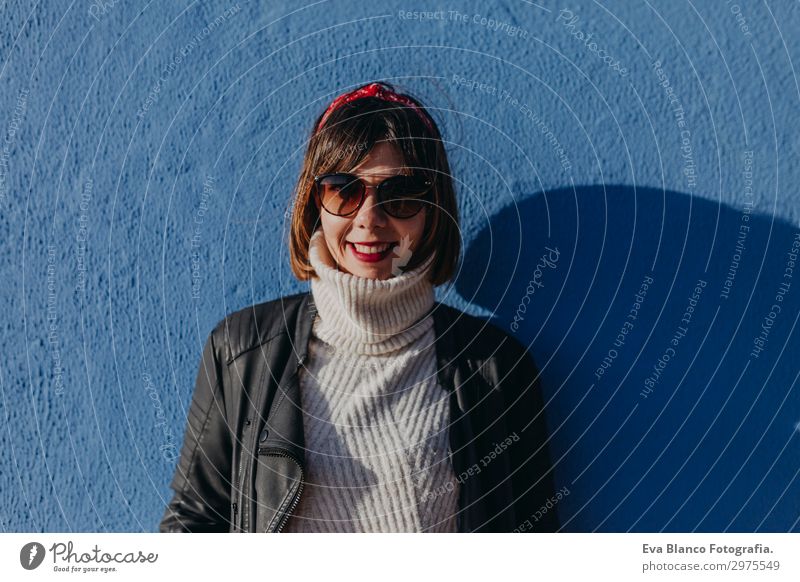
(364, 405)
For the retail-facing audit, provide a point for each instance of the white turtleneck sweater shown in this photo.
(375, 418)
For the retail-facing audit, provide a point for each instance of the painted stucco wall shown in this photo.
(626, 174)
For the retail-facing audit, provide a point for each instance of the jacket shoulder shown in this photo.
(248, 328)
(479, 338)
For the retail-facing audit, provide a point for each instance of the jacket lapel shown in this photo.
(280, 445)
(285, 420)
(485, 490)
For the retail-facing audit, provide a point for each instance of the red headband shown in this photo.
(374, 90)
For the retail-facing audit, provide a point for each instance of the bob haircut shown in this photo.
(347, 137)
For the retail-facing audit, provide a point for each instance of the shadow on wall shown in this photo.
(663, 328)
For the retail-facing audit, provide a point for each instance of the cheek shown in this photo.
(335, 229)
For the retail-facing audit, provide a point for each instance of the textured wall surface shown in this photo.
(627, 178)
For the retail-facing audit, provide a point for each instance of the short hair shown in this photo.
(349, 134)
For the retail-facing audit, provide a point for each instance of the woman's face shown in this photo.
(371, 224)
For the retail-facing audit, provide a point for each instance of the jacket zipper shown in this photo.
(238, 492)
(236, 520)
(296, 498)
(281, 453)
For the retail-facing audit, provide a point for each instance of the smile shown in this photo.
(370, 253)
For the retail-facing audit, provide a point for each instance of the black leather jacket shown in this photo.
(242, 458)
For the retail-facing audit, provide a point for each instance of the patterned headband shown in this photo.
(381, 92)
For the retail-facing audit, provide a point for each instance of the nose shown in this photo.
(371, 213)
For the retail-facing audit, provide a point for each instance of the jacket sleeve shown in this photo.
(533, 482)
(201, 484)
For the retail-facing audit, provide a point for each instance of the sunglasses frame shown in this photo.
(364, 187)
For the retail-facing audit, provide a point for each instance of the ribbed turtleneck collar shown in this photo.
(368, 316)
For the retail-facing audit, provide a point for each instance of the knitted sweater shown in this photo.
(375, 418)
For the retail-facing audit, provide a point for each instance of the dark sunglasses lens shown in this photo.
(339, 193)
(403, 195)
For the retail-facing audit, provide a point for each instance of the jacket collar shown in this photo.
(442, 324)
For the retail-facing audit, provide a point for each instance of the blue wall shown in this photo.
(147, 156)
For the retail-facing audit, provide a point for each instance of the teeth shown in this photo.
(371, 250)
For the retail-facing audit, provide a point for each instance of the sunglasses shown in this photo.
(400, 196)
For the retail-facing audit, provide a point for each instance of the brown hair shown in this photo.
(347, 137)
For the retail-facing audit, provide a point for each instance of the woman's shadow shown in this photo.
(662, 325)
